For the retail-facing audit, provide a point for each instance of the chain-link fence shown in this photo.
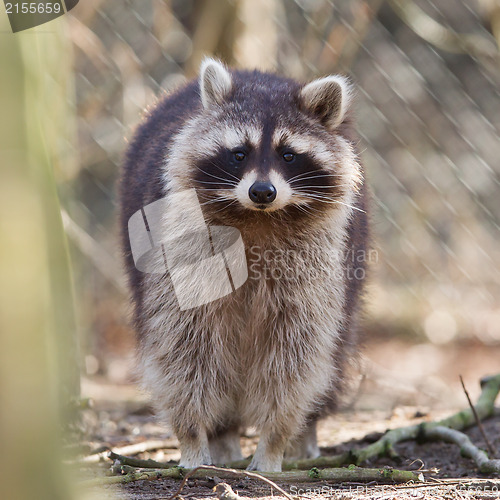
(427, 74)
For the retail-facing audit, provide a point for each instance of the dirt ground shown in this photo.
(382, 400)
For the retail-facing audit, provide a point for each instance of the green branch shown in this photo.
(345, 474)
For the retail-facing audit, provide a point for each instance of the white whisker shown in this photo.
(225, 171)
(212, 175)
(320, 187)
(301, 179)
(217, 183)
(217, 200)
(327, 200)
(224, 207)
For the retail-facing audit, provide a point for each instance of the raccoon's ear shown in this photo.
(215, 82)
(328, 98)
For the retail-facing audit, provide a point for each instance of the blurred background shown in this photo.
(428, 112)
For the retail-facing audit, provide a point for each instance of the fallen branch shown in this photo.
(467, 449)
(345, 474)
(139, 462)
(130, 449)
(459, 421)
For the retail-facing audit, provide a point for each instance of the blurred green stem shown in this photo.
(38, 368)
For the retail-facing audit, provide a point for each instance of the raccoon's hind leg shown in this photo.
(305, 445)
(224, 444)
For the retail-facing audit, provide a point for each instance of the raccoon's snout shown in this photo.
(262, 192)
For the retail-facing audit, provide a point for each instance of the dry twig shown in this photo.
(130, 449)
(478, 420)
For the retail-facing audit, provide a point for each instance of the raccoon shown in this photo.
(276, 160)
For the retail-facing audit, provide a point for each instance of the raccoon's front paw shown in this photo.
(268, 455)
(191, 463)
(266, 464)
(194, 456)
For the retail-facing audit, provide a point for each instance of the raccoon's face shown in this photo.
(266, 148)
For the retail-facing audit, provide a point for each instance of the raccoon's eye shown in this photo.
(288, 157)
(239, 155)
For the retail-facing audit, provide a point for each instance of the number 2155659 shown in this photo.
(32, 8)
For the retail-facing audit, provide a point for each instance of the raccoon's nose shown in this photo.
(262, 192)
